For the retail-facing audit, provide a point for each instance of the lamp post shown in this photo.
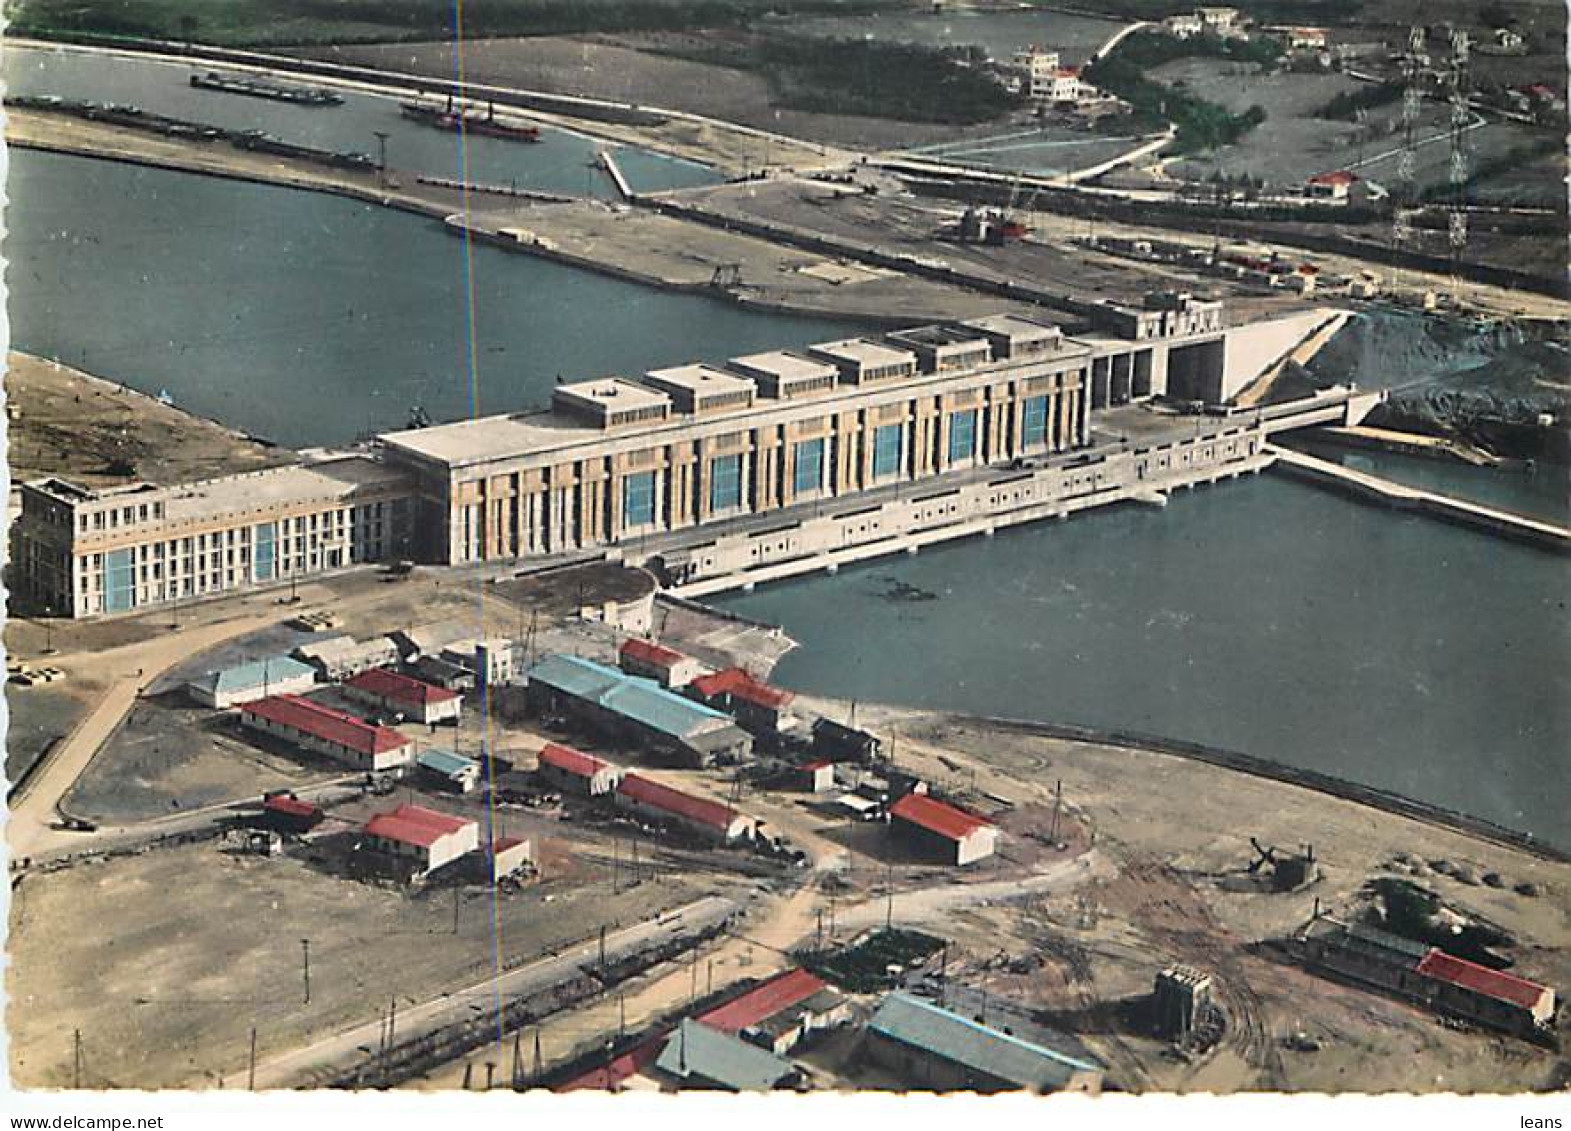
(381, 157)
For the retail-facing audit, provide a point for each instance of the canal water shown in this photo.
(311, 319)
(560, 162)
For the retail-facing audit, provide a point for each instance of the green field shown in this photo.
(280, 22)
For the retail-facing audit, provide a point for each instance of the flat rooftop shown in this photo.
(786, 366)
(939, 336)
(1013, 326)
(701, 380)
(255, 490)
(865, 352)
(613, 393)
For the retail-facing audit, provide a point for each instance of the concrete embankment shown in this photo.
(1408, 444)
(1375, 798)
(1360, 485)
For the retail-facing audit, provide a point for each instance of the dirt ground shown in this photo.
(203, 945)
(98, 434)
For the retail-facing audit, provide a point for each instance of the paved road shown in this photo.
(343, 1048)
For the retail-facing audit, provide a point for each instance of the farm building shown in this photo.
(666, 666)
(447, 770)
(573, 771)
(324, 730)
(758, 707)
(339, 657)
(275, 675)
(943, 831)
(657, 802)
(635, 710)
(391, 693)
(779, 1013)
(696, 1056)
(936, 1049)
(439, 673)
(417, 841)
(1487, 997)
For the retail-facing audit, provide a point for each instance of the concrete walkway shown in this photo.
(1462, 512)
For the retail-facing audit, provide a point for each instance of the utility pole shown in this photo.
(539, 1071)
(818, 937)
(518, 1060)
(76, 1059)
(602, 946)
(621, 1015)
(250, 1072)
(1058, 802)
(305, 967)
(889, 887)
(455, 909)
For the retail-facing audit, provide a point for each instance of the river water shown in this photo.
(1261, 615)
(310, 319)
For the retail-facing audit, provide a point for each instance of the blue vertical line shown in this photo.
(483, 681)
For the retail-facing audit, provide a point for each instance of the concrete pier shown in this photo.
(1505, 524)
(614, 171)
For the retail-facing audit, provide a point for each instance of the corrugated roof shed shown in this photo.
(697, 1051)
(1480, 979)
(401, 688)
(764, 1001)
(571, 761)
(656, 795)
(923, 1025)
(447, 762)
(642, 700)
(257, 673)
(414, 824)
(326, 723)
(937, 816)
(651, 653)
(738, 684)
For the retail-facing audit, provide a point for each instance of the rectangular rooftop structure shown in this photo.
(945, 349)
(1015, 337)
(611, 402)
(783, 374)
(699, 389)
(862, 362)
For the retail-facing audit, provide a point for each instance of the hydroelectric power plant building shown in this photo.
(709, 472)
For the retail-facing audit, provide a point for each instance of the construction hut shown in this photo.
(699, 816)
(666, 666)
(324, 730)
(496, 652)
(414, 699)
(817, 776)
(573, 771)
(1181, 998)
(843, 743)
(696, 1056)
(339, 657)
(936, 1049)
(415, 841)
(635, 710)
(781, 1012)
(286, 813)
(508, 856)
(1487, 997)
(762, 710)
(274, 675)
(941, 831)
(447, 770)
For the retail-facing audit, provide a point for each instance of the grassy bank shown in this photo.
(1202, 125)
(301, 22)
